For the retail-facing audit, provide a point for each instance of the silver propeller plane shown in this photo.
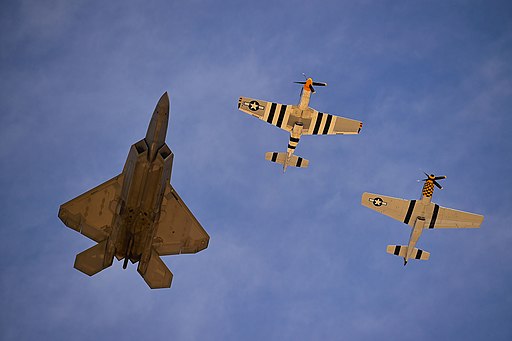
(298, 120)
(137, 215)
(419, 214)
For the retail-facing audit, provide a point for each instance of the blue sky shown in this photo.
(293, 256)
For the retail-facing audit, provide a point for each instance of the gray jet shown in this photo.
(137, 215)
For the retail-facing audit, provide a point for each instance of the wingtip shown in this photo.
(365, 195)
(365, 198)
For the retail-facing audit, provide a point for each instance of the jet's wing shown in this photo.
(93, 212)
(327, 124)
(396, 208)
(442, 217)
(273, 113)
(177, 230)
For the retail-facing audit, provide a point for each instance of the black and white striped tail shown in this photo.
(401, 251)
(282, 158)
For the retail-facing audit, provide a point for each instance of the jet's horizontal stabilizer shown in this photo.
(157, 274)
(281, 158)
(92, 260)
(401, 250)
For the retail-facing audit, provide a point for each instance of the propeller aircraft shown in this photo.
(419, 214)
(298, 120)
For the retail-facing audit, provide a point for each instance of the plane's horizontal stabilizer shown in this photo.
(157, 274)
(401, 250)
(92, 260)
(294, 160)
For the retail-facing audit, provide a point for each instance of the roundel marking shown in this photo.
(377, 202)
(254, 105)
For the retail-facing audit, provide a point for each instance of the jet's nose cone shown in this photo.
(163, 103)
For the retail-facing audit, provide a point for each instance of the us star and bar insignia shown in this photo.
(378, 201)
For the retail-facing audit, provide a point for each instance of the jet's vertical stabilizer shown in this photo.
(157, 275)
(93, 260)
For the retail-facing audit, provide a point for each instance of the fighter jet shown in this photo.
(137, 215)
(298, 120)
(420, 214)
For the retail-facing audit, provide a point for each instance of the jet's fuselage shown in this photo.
(146, 172)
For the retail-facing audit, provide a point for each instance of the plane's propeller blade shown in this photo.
(433, 178)
(311, 88)
(314, 83)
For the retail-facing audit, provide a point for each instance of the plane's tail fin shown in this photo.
(283, 159)
(401, 251)
(157, 275)
(94, 259)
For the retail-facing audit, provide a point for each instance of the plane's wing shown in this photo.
(177, 230)
(327, 124)
(273, 113)
(395, 208)
(406, 210)
(443, 217)
(92, 213)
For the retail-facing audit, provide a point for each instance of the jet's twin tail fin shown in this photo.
(401, 250)
(282, 158)
(93, 260)
(157, 274)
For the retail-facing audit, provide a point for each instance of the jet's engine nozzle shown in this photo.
(432, 178)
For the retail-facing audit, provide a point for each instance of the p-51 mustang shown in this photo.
(419, 214)
(137, 215)
(298, 120)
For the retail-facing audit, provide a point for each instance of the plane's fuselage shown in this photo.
(304, 99)
(419, 220)
(304, 111)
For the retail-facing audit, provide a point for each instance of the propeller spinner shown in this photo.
(308, 84)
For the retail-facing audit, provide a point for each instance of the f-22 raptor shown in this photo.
(137, 215)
